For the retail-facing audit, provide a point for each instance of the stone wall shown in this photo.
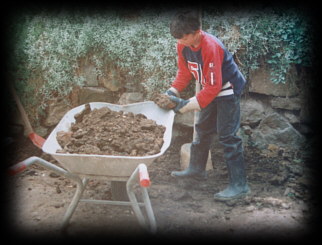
(277, 114)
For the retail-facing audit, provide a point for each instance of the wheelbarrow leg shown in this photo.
(149, 210)
(81, 184)
(134, 203)
(21, 166)
(140, 172)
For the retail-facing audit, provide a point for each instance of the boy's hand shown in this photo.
(185, 105)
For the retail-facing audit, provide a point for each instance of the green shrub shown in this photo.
(279, 37)
(48, 46)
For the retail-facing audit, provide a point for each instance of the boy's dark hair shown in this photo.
(184, 22)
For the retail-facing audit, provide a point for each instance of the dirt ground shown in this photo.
(281, 204)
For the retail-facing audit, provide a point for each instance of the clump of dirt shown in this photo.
(106, 132)
(163, 101)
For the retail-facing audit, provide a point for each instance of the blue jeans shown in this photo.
(221, 116)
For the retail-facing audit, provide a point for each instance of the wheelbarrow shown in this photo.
(82, 167)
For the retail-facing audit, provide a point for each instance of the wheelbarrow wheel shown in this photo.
(118, 189)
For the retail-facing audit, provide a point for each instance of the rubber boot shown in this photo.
(190, 172)
(238, 186)
(197, 165)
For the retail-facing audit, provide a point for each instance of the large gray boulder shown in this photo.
(252, 112)
(275, 129)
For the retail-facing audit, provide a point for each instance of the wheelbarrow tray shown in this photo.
(116, 167)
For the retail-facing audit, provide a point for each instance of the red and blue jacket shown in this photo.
(211, 64)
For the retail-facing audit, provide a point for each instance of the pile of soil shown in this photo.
(106, 132)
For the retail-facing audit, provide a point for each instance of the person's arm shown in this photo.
(183, 76)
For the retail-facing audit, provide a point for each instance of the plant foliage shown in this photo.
(47, 46)
(280, 38)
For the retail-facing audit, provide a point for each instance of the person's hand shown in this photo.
(183, 106)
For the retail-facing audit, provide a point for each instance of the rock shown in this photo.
(94, 94)
(53, 175)
(90, 74)
(87, 69)
(274, 129)
(252, 111)
(285, 205)
(291, 117)
(272, 201)
(129, 98)
(260, 82)
(112, 80)
(286, 103)
(55, 111)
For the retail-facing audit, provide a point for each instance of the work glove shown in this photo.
(185, 105)
(172, 92)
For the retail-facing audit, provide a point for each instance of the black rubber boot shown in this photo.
(197, 165)
(238, 186)
(190, 173)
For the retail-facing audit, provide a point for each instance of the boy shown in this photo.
(205, 57)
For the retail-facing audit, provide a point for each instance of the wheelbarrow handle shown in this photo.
(144, 175)
(21, 166)
(17, 168)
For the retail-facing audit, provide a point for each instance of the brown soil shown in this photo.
(163, 101)
(106, 132)
(280, 206)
